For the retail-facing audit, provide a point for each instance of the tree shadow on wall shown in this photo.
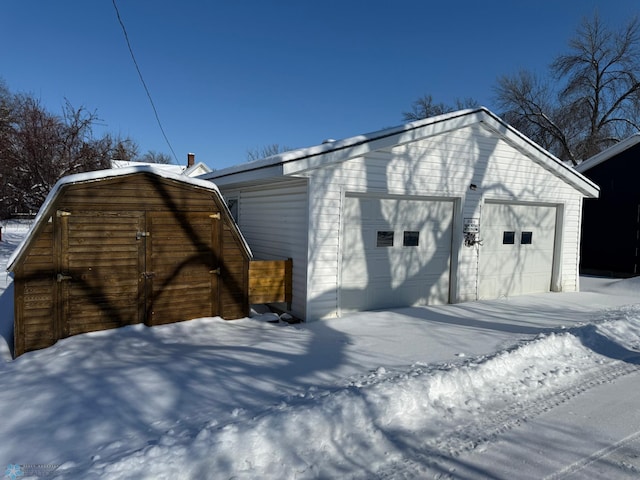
(115, 311)
(431, 171)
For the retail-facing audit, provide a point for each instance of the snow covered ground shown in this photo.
(539, 386)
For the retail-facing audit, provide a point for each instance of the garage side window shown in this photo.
(385, 239)
(411, 239)
(508, 238)
(232, 203)
(526, 238)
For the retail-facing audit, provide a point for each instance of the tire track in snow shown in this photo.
(593, 458)
(451, 443)
(469, 437)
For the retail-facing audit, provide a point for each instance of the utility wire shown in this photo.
(133, 57)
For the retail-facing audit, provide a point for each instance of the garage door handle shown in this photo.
(62, 278)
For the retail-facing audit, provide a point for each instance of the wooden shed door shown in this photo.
(182, 266)
(100, 263)
(122, 268)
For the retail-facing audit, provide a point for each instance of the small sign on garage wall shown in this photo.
(471, 225)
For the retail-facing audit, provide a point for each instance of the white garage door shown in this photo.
(395, 252)
(516, 256)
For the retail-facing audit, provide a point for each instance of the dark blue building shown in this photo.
(611, 223)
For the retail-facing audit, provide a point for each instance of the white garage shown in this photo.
(447, 209)
(396, 251)
(517, 253)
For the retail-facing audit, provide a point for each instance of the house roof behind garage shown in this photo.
(329, 152)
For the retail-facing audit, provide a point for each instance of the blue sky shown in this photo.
(230, 76)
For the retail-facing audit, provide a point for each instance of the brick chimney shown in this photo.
(191, 159)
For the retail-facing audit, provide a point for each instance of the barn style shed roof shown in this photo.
(610, 152)
(82, 178)
(329, 152)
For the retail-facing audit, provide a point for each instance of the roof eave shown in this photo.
(229, 176)
(311, 157)
(386, 138)
(537, 153)
(298, 161)
(610, 152)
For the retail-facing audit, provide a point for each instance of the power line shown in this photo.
(133, 57)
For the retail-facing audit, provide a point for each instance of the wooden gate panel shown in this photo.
(270, 281)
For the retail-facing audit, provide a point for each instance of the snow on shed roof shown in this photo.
(158, 166)
(87, 177)
(610, 152)
(295, 161)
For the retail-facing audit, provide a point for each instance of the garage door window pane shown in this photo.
(411, 239)
(526, 238)
(509, 238)
(385, 239)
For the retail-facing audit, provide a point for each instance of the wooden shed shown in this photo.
(127, 246)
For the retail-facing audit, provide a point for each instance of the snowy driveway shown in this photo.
(536, 386)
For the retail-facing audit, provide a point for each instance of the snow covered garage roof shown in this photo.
(297, 161)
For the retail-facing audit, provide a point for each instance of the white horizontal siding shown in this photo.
(569, 279)
(303, 220)
(273, 219)
(441, 166)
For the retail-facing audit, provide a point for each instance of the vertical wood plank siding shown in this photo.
(98, 241)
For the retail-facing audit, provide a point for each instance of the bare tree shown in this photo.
(121, 148)
(156, 157)
(5, 116)
(266, 151)
(424, 107)
(37, 148)
(592, 100)
(6, 134)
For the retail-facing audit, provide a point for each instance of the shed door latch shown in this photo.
(140, 235)
(62, 278)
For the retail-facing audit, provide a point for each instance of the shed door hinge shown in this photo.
(215, 215)
(139, 235)
(216, 271)
(62, 213)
